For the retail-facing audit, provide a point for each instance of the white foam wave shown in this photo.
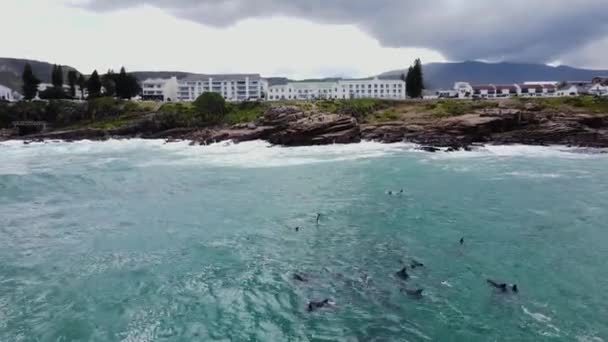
(525, 151)
(522, 174)
(536, 315)
(256, 154)
(587, 338)
(20, 158)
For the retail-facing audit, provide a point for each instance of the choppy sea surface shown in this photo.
(144, 241)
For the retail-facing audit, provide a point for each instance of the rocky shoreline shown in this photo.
(292, 126)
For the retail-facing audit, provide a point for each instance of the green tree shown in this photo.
(82, 84)
(415, 80)
(211, 107)
(57, 76)
(30, 82)
(108, 81)
(72, 79)
(127, 85)
(121, 83)
(409, 82)
(94, 85)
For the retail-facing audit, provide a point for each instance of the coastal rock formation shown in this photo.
(287, 126)
(318, 129)
(6, 134)
(500, 127)
(234, 133)
(296, 126)
(76, 134)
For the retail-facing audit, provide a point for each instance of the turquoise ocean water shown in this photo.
(144, 241)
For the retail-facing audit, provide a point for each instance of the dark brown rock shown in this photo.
(77, 134)
(317, 129)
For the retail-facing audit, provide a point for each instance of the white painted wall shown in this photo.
(342, 89)
(6, 93)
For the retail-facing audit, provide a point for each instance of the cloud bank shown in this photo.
(515, 30)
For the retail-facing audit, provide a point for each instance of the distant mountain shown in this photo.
(12, 68)
(443, 75)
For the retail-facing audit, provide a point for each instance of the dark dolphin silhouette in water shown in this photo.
(514, 288)
(299, 277)
(297, 229)
(403, 274)
(413, 293)
(501, 286)
(415, 263)
(462, 241)
(318, 217)
(314, 305)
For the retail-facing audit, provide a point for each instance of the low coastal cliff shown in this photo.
(507, 122)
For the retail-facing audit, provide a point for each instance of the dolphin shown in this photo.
(403, 274)
(313, 305)
(413, 293)
(501, 286)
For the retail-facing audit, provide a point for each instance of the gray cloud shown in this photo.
(515, 30)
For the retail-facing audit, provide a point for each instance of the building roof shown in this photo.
(223, 77)
(506, 86)
(600, 79)
(484, 87)
(577, 82)
(541, 83)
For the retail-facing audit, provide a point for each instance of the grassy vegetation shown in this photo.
(244, 112)
(112, 123)
(110, 113)
(446, 108)
(390, 114)
(582, 104)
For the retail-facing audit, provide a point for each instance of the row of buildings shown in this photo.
(252, 87)
(7, 94)
(598, 86)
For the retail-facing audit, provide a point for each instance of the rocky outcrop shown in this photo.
(293, 126)
(287, 126)
(76, 134)
(317, 129)
(496, 126)
(564, 129)
(6, 134)
(236, 134)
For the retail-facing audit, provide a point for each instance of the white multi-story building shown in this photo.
(304, 91)
(159, 89)
(234, 88)
(341, 89)
(6, 94)
(393, 89)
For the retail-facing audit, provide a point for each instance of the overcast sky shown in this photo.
(302, 38)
